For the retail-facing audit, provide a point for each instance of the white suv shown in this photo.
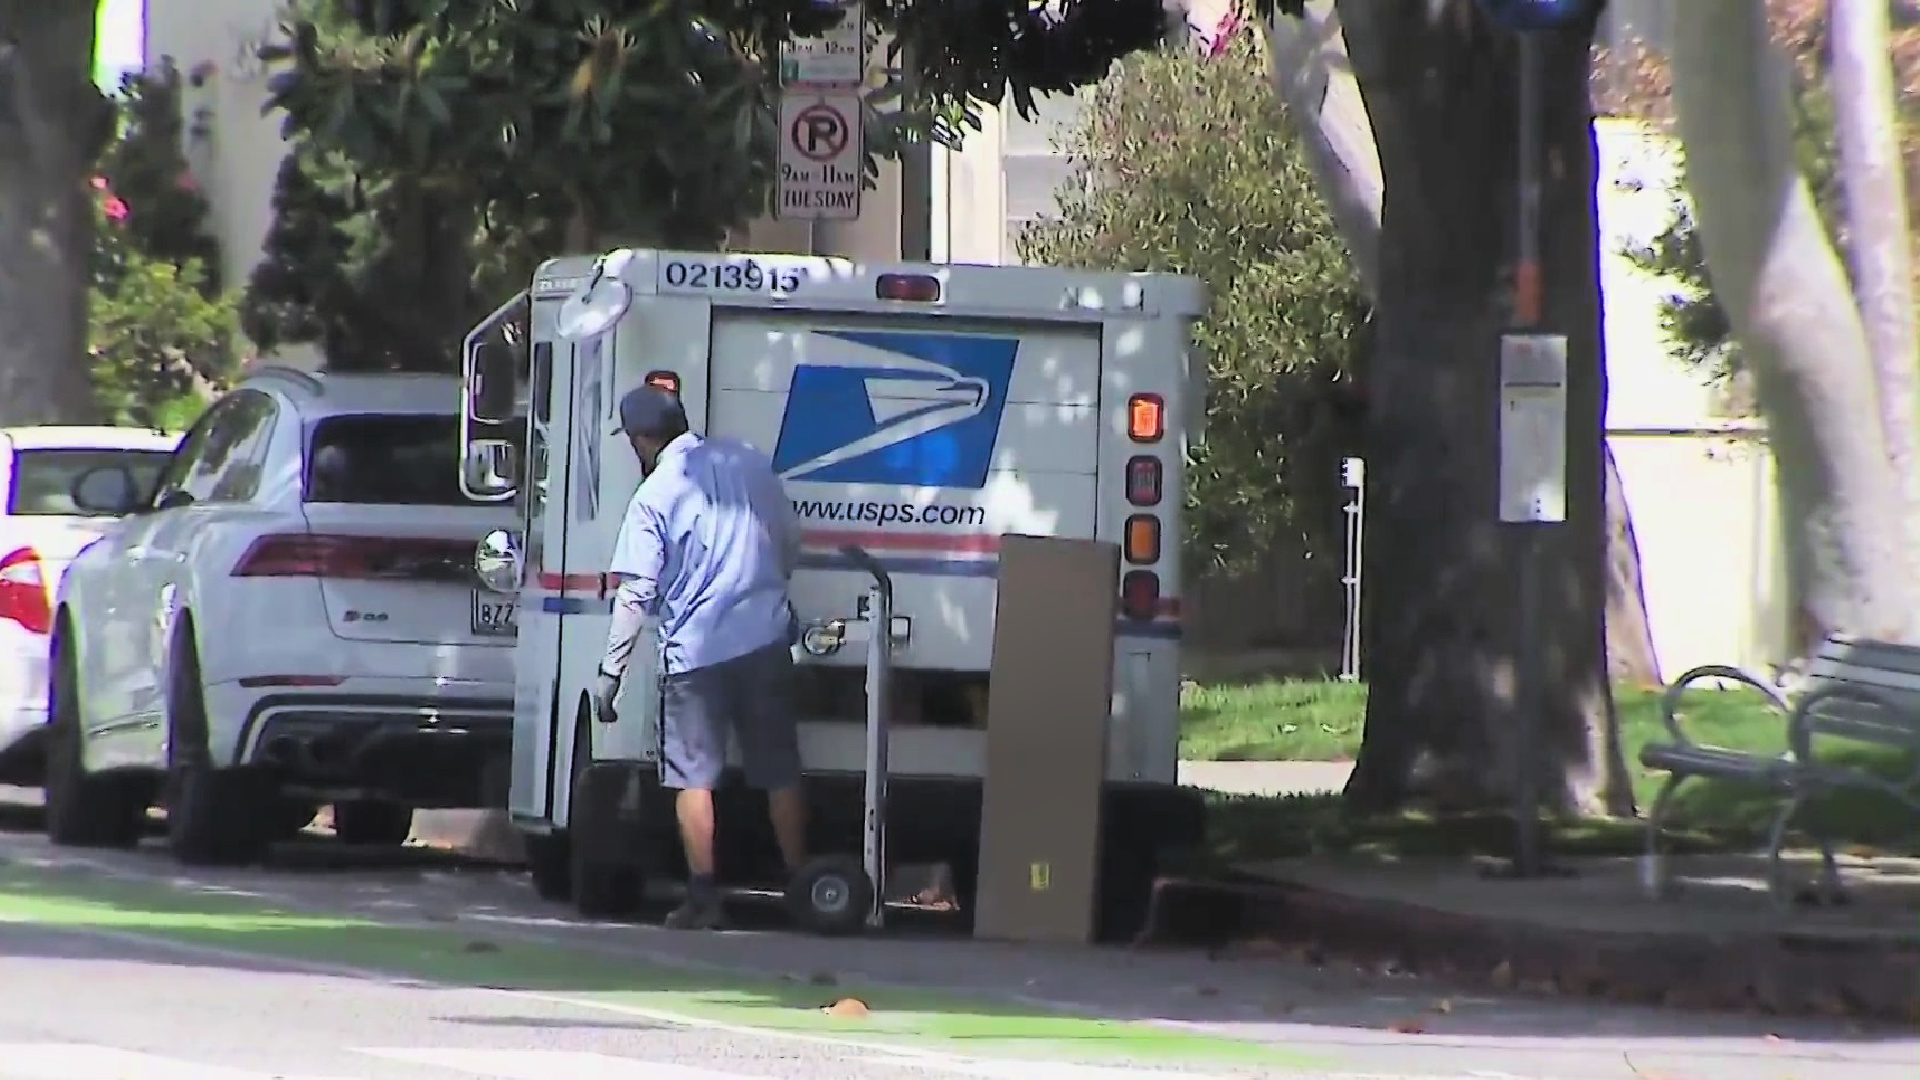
(289, 619)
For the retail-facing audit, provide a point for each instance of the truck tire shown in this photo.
(84, 809)
(215, 816)
(550, 864)
(605, 831)
(372, 822)
(291, 818)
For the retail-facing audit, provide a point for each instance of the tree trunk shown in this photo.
(1314, 77)
(1879, 237)
(1631, 658)
(52, 124)
(1788, 300)
(1440, 91)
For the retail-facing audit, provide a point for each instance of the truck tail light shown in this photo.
(1140, 594)
(1146, 417)
(1143, 480)
(23, 591)
(664, 380)
(1143, 539)
(914, 288)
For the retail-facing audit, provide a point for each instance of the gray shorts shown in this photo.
(749, 695)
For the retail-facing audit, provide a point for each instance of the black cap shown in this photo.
(651, 411)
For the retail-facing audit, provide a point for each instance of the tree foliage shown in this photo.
(161, 332)
(1160, 189)
(1691, 317)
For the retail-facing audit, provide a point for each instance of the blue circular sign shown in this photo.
(1536, 14)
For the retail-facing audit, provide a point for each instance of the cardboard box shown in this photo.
(1048, 707)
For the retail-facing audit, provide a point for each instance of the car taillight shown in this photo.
(1146, 417)
(1140, 594)
(319, 555)
(1143, 539)
(23, 591)
(1143, 481)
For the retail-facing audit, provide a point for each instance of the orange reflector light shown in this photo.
(665, 380)
(1143, 480)
(1143, 539)
(1140, 594)
(916, 288)
(1146, 417)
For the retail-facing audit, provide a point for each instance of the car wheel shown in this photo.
(215, 816)
(84, 809)
(372, 822)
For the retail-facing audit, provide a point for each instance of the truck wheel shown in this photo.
(606, 842)
(550, 862)
(372, 822)
(84, 809)
(291, 817)
(215, 817)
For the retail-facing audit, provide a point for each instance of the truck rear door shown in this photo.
(923, 440)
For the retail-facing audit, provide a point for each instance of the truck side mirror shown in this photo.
(490, 468)
(492, 369)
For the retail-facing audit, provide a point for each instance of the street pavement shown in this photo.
(122, 966)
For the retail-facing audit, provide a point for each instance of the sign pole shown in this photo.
(822, 142)
(1533, 467)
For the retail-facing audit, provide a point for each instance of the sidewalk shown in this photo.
(1266, 777)
(1720, 943)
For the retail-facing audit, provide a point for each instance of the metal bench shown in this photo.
(1855, 689)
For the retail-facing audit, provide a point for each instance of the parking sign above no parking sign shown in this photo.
(821, 151)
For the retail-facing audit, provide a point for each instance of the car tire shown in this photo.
(84, 809)
(215, 816)
(372, 822)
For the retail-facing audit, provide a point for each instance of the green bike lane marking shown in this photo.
(909, 1017)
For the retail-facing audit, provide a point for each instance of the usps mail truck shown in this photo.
(917, 412)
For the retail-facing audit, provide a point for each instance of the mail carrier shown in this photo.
(918, 412)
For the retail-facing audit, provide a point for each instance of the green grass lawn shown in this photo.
(1320, 720)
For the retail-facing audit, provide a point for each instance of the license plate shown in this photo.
(493, 616)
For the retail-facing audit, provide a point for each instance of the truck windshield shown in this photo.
(388, 460)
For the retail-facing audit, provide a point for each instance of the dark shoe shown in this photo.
(697, 915)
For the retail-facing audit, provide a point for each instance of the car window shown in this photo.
(245, 443)
(227, 468)
(42, 481)
(394, 460)
(187, 459)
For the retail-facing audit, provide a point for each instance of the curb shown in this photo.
(1781, 973)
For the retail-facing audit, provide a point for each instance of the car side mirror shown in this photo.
(107, 489)
(496, 561)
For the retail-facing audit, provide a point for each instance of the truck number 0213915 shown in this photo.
(730, 275)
